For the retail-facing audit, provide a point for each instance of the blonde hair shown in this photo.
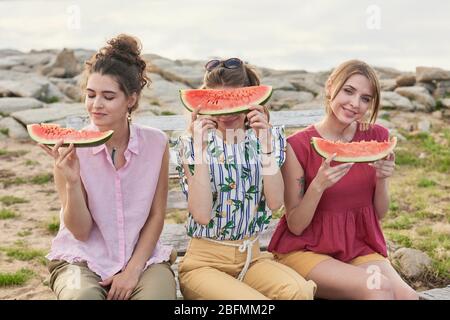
(244, 76)
(342, 73)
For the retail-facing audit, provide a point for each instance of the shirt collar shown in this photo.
(133, 143)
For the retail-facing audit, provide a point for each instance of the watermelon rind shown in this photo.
(92, 142)
(361, 159)
(234, 110)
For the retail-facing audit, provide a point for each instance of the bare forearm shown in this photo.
(200, 194)
(273, 183)
(77, 217)
(299, 217)
(381, 198)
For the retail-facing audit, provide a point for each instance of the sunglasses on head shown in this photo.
(232, 63)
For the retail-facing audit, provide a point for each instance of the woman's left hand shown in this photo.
(259, 121)
(384, 167)
(122, 285)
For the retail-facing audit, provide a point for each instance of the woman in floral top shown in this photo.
(229, 172)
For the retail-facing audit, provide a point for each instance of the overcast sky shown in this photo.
(284, 34)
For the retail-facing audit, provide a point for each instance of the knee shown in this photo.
(382, 289)
(298, 291)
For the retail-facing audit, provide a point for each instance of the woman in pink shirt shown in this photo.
(113, 196)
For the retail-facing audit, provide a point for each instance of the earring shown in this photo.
(129, 115)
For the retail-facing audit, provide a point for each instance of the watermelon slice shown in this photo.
(50, 134)
(224, 101)
(360, 151)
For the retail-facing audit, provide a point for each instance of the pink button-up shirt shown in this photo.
(119, 202)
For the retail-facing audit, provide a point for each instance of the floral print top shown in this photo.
(239, 208)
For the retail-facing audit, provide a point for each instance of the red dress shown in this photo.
(345, 225)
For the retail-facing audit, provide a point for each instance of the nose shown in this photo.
(97, 104)
(356, 99)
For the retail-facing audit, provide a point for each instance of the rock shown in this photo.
(428, 74)
(65, 65)
(278, 84)
(10, 105)
(388, 84)
(385, 123)
(424, 126)
(437, 114)
(15, 129)
(419, 94)
(55, 95)
(412, 263)
(188, 72)
(392, 100)
(18, 84)
(406, 80)
(431, 87)
(53, 113)
(165, 94)
(308, 84)
(287, 99)
(446, 103)
(442, 90)
(387, 73)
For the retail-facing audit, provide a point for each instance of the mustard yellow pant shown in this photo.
(209, 271)
(156, 283)
(304, 261)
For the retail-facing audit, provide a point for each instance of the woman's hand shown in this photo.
(199, 128)
(259, 121)
(66, 160)
(328, 175)
(122, 284)
(384, 167)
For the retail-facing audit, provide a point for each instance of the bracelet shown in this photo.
(268, 153)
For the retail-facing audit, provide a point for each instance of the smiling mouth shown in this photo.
(350, 111)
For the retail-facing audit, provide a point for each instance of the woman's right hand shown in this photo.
(328, 175)
(199, 128)
(66, 160)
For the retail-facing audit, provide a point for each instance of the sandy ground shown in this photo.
(33, 218)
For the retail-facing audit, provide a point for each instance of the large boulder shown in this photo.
(428, 74)
(287, 99)
(411, 262)
(388, 84)
(18, 84)
(164, 93)
(65, 65)
(10, 105)
(56, 112)
(420, 95)
(442, 89)
(406, 80)
(189, 72)
(392, 100)
(15, 129)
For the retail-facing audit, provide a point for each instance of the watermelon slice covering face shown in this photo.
(360, 151)
(224, 101)
(50, 134)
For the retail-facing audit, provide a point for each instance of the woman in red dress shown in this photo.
(330, 233)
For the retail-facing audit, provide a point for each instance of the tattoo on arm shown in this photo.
(301, 183)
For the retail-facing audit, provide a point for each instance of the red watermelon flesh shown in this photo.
(359, 151)
(50, 134)
(225, 101)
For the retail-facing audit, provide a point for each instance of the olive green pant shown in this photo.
(156, 283)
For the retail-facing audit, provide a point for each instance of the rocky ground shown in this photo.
(42, 86)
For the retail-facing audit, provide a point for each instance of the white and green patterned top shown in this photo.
(239, 207)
